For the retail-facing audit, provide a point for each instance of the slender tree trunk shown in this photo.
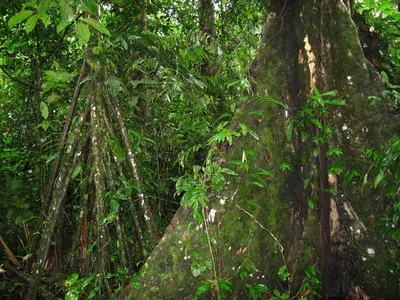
(207, 25)
(256, 230)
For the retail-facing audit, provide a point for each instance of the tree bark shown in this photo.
(306, 44)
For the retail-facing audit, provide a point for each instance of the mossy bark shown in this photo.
(306, 44)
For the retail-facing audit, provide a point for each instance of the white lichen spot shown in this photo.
(230, 248)
(146, 217)
(251, 275)
(348, 78)
(371, 251)
(286, 113)
(351, 228)
(344, 127)
(364, 258)
(180, 242)
(181, 249)
(211, 215)
(222, 201)
(358, 231)
(233, 268)
(262, 276)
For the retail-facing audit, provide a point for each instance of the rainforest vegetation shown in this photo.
(199, 149)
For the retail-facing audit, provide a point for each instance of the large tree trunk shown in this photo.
(306, 44)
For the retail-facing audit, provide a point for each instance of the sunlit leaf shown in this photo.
(19, 17)
(96, 25)
(44, 110)
(31, 23)
(83, 32)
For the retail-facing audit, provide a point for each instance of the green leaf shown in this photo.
(204, 288)
(225, 285)
(72, 294)
(43, 7)
(52, 98)
(316, 122)
(334, 150)
(83, 32)
(378, 178)
(88, 78)
(286, 166)
(385, 76)
(19, 17)
(96, 25)
(253, 134)
(311, 203)
(67, 14)
(46, 20)
(136, 283)
(62, 25)
(272, 100)
(86, 282)
(31, 23)
(44, 110)
(277, 293)
(95, 291)
(90, 6)
(330, 93)
(77, 170)
(228, 171)
(336, 102)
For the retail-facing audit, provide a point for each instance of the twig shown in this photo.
(20, 81)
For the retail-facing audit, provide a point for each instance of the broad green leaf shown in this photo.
(57, 77)
(378, 178)
(83, 32)
(46, 20)
(311, 203)
(385, 76)
(90, 6)
(31, 23)
(67, 14)
(96, 25)
(19, 17)
(203, 289)
(316, 122)
(136, 283)
(77, 170)
(43, 7)
(44, 110)
(52, 98)
(62, 25)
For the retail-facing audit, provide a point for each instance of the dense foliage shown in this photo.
(177, 87)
